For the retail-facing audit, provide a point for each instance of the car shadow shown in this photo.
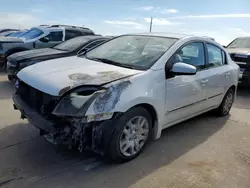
(26, 154)
(36, 161)
(6, 87)
(243, 98)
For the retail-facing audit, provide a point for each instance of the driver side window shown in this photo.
(192, 54)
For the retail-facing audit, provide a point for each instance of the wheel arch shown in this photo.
(155, 118)
(234, 88)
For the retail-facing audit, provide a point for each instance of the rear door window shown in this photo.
(71, 34)
(215, 56)
(55, 36)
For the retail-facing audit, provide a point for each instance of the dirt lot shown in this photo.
(203, 152)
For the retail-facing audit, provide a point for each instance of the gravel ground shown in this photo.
(203, 152)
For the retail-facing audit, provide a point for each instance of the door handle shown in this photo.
(204, 82)
(227, 73)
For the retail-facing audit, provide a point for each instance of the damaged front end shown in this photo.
(63, 120)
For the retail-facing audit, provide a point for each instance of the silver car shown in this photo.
(117, 96)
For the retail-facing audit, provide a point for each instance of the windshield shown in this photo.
(240, 43)
(72, 44)
(31, 34)
(137, 52)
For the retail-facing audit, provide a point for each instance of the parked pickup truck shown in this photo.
(39, 37)
(239, 50)
(75, 46)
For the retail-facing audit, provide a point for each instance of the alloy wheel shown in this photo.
(134, 136)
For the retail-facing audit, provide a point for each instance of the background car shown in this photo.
(18, 61)
(239, 50)
(7, 32)
(120, 94)
(39, 37)
(17, 33)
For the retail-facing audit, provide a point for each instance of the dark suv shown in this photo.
(39, 37)
(239, 50)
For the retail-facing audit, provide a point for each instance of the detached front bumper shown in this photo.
(33, 117)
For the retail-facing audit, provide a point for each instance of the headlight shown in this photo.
(76, 104)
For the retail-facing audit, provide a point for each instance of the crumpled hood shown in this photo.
(245, 51)
(10, 40)
(42, 54)
(55, 75)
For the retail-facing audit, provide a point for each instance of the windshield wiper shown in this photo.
(61, 49)
(108, 61)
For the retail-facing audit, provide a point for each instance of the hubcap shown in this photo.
(134, 136)
(228, 103)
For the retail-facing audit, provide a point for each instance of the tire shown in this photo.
(10, 78)
(115, 152)
(226, 104)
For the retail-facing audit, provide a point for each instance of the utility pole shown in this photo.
(151, 22)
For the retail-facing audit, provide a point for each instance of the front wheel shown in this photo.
(10, 78)
(132, 132)
(226, 104)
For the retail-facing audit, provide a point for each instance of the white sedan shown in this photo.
(116, 97)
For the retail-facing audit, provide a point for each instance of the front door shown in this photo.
(185, 95)
(54, 38)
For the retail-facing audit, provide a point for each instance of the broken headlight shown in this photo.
(77, 103)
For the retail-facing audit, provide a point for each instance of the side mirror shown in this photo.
(44, 39)
(183, 69)
(224, 46)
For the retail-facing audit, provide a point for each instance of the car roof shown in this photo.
(159, 34)
(91, 37)
(246, 37)
(66, 27)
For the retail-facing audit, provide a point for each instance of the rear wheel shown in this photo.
(226, 104)
(132, 132)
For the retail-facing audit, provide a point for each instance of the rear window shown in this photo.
(72, 44)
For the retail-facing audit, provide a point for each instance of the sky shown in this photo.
(223, 20)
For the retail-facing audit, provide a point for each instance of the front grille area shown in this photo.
(41, 102)
(238, 58)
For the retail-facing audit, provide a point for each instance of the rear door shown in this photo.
(218, 73)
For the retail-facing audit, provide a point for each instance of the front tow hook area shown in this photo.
(14, 106)
(22, 114)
